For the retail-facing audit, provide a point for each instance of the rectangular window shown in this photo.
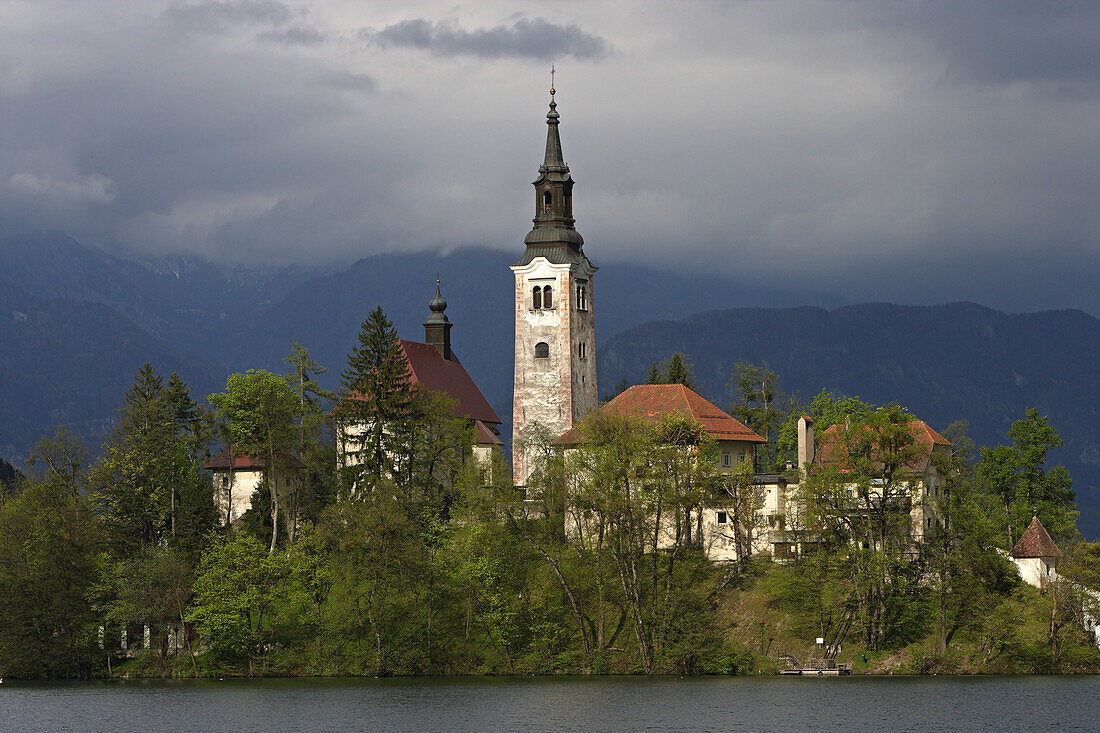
(726, 460)
(722, 518)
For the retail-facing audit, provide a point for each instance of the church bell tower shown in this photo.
(555, 349)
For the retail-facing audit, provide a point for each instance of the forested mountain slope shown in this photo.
(69, 362)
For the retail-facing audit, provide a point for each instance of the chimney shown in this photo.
(437, 329)
(805, 442)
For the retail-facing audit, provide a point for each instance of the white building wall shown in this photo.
(555, 392)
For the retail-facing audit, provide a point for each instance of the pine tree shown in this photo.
(376, 397)
(311, 494)
(149, 486)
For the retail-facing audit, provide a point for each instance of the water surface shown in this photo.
(558, 704)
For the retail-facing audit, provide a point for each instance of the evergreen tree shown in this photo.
(312, 493)
(149, 486)
(674, 370)
(376, 398)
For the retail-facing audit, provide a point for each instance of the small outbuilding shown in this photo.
(1036, 556)
(237, 476)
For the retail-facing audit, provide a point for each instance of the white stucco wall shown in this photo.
(555, 392)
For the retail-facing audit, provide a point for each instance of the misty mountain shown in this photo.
(195, 304)
(950, 362)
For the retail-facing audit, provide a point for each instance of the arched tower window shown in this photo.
(536, 297)
(547, 297)
(542, 350)
(582, 298)
(547, 200)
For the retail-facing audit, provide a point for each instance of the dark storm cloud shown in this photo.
(352, 82)
(219, 15)
(914, 152)
(1004, 42)
(537, 38)
(298, 35)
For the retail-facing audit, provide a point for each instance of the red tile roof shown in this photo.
(830, 452)
(243, 462)
(484, 435)
(652, 402)
(427, 367)
(1036, 542)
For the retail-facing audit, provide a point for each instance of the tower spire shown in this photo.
(553, 161)
(437, 329)
(553, 222)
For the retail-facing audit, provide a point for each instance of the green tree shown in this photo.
(309, 496)
(862, 502)
(378, 612)
(376, 398)
(258, 410)
(62, 458)
(967, 575)
(674, 370)
(149, 487)
(49, 541)
(1016, 476)
(235, 594)
(631, 485)
(152, 588)
(763, 407)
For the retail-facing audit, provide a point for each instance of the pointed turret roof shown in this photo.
(1035, 542)
(554, 235)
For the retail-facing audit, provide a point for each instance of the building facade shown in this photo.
(555, 331)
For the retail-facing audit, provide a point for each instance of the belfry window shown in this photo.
(582, 298)
(542, 350)
(547, 200)
(547, 297)
(536, 297)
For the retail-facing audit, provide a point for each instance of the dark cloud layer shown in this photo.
(535, 38)
(218, 15)
(917, 152)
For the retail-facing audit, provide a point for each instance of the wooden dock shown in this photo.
(815, 668)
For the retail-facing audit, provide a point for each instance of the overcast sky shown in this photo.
(913, 152)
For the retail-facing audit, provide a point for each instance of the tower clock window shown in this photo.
(542, 350)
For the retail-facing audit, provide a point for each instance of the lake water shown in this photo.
(558, 704)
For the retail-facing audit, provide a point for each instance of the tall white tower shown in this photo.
(555, 376)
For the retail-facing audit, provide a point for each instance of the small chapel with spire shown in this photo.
(555, 336)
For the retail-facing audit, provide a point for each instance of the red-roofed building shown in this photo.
(920, 485)
(1036, 556)
(654, 402)
(435, 367)
(237, 476)
(736, 444)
